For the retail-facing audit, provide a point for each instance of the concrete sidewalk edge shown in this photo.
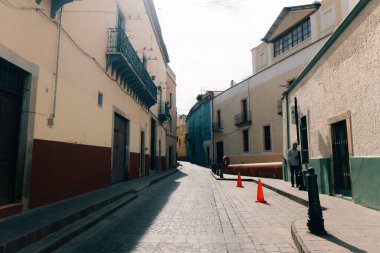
(32, 237)
(300, 245)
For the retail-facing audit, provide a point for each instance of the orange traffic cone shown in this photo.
(239, 183)
(260, 193)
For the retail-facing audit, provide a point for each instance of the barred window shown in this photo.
(290, 39)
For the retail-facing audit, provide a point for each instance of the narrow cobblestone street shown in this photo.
(192, 212)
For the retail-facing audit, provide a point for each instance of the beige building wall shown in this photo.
(82, 74)
(271, 76)
(323, 22)
(332, 91)
(171, 124)
(340, 92)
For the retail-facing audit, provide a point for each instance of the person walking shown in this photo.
(294, 163)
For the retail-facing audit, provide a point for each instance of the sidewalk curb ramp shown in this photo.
(52, 232)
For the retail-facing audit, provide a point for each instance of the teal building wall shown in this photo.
(365, 176)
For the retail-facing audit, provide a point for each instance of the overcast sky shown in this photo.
(209, 41)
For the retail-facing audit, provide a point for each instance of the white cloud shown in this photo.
(209, 41)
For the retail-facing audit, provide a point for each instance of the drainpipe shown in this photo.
(212, 130)
(52, 115)
(287, 121)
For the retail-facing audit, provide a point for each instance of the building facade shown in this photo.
(79, 97)
(338, 108)
(199, 130)
(171, 123)
(247, 116)
(181, 138)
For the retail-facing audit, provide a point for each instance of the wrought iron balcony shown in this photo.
(163, 111)
(217, 126)
(243, 119)
(130, 71)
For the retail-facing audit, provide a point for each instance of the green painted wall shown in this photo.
(322, 168)
(365, 176)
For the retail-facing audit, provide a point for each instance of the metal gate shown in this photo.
(11, 84)
(120, 152)
(342, 172)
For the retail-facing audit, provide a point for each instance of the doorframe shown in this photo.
(27, 124)
(330, 121)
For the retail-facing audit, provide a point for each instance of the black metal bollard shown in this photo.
(300, 180)
(213, 168)
(315, 223)
(222, 166)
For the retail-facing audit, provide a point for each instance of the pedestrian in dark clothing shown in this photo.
(294, 163)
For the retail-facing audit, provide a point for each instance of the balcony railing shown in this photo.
(243, 119)
(163, 111)
(217, 126)
(130, 71)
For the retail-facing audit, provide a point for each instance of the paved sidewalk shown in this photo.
(21, 230)
(350, 227)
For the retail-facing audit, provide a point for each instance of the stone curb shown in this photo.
(281, 192)
(59, 238)
(301, 247)
(25, 240)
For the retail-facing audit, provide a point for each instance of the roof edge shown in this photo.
(151, 9)
(341, 28)
(285, 11)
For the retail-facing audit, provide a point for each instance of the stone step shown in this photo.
(62, 236)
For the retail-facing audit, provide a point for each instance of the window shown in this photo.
(170, 100)
(179, 142)
(267, 140)
(218, 119)
(290, 39)
(244, 110)
(245, 140)
(100, 99)
(304, 141)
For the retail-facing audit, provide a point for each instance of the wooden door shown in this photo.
(11, 83)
